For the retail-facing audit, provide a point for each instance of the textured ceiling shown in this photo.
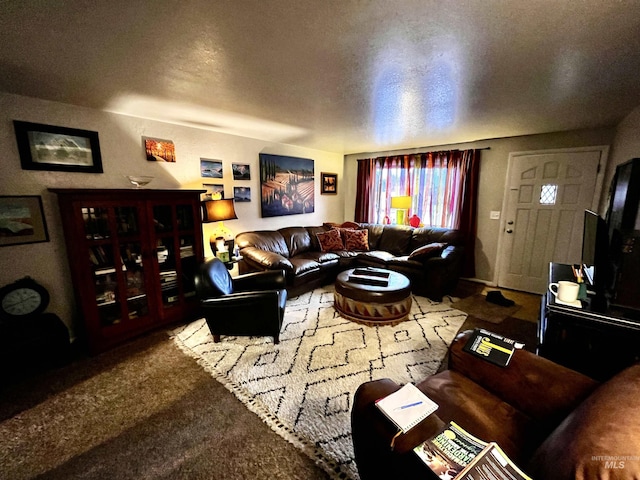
(344, 76)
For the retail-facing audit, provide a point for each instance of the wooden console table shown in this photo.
(594, 340)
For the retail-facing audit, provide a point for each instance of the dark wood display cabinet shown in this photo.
(133, 255)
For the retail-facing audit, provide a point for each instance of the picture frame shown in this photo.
(214, 191)
(22, 220)
(159, 150)
(242, 194)
(286, 185)
(54, 148)
(241, 171)
(328, 183)
(210, 168)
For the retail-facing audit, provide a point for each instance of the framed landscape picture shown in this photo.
(214, 191)
(210, 168)
(286, 185)
(158, 150)
(242, 194)
(241, 171)
(22, 220)
(48, 147)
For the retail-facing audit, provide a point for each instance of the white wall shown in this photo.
(493, 169)
(626, 145)
(123, 154)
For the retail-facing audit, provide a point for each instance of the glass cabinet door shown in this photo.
(116, 258)
(175, 250)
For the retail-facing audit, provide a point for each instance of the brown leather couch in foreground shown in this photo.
(433, 272)
(556, 424)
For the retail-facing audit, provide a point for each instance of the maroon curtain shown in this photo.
(469, 217)
(363, 190)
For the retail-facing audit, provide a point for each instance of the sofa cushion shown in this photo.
(356, 240)
(321, 257)
(425, 235)
(268, 240)
(315, 245)
(427, 251)
(330, 241)
(303, 265)
(266, 259)
(375, 257)
(375, 233)
(599, 439)
(297, 239)
(395, 239)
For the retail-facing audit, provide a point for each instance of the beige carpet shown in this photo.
(303, 387)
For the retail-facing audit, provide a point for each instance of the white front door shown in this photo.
(546, 195)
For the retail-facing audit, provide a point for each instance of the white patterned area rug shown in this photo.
(304, 386)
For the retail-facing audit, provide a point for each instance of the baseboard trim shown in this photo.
(479, 280)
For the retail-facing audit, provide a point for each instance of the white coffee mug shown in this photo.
(565, 291)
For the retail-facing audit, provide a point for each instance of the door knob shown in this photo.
(510, 222)
(509, 230)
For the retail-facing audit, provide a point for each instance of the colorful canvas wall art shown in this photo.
(286, 185)
(160, 150)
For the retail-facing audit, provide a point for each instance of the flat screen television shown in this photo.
(595, 252)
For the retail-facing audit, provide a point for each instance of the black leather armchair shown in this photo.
(247, 305)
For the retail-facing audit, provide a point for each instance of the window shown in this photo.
(435, 181)
(548, 194)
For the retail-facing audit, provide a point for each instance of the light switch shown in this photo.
(494, 215)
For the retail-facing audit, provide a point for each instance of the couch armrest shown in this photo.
(534, 385)
(264, 280)
(266, 260)
(600, 439)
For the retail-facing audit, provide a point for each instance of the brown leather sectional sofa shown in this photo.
(433, 272)
(555, 423)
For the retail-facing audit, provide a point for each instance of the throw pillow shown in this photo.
(356, 240)
(330, 241)
(427, 251)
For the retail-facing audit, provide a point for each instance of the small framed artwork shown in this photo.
(214, 191)
(242, 194)
(47, 147)
(210, 168)
(241, 171)
(158, 150)
(22, 220)
(329, 183)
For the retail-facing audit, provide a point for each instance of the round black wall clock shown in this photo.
(23, 299)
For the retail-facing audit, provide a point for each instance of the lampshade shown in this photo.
(218, 210)
(401, 202)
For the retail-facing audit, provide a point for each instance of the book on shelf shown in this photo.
(406, 407)
(453, 453)
(491, 347)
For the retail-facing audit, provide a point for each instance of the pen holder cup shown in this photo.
(582, 291)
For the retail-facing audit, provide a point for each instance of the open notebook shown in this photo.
(407, 407)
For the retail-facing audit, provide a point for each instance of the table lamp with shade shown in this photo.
(402, 206)
(221, 239)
